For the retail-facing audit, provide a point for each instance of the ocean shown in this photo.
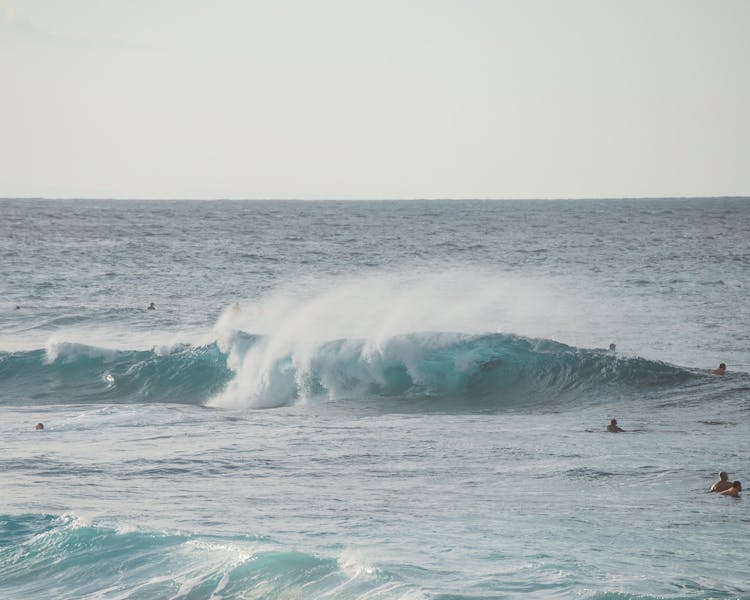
(373, 400)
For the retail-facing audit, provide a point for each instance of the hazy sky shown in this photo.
(374, 98)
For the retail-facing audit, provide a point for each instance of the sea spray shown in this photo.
(400, 337)
(371, 311)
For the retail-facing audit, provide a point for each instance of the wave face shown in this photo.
(439, 369)
(499, 370)
(39, 553)
(68, 372)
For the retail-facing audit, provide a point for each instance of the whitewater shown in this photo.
(382, 399)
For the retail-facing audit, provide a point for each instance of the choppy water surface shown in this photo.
(373, 399)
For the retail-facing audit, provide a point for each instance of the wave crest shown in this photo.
(250, 371)
(77, 373)
(502, 369)
(86, 560)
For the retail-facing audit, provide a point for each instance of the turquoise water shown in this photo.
(373, 400)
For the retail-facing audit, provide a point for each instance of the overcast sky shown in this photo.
(374, 98)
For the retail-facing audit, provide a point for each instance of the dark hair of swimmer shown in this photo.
(39, 426)
(737, 485)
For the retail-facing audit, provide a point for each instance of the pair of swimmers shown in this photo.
(725, 487)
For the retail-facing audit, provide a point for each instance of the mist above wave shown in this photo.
(453, 336)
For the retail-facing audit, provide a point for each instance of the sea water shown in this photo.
(373, 399)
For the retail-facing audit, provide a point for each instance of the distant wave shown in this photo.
(500, 370)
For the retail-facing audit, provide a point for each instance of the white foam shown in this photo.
(67, 351)
(353, 563)
(374, 310)
(119, 338)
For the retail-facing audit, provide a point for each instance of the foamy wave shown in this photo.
(385, 336)
(69, 352)
(355, 330)
(175, 565)
(500, 369)
(71, 372)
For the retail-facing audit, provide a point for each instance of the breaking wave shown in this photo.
(89, 560)
(496, 369)
(250, 371)
(77, 373)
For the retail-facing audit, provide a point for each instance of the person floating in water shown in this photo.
(723, 484)
(490, 364)
(39, 426)
(734, 490)
(613, 427)
(721, 370)
(612, 347)
(152, 306)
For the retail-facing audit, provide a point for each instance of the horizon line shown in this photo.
(374, 199)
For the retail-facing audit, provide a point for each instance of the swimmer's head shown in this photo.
(737, 485)
(722, 366)
(39, 426)
(723, 476)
